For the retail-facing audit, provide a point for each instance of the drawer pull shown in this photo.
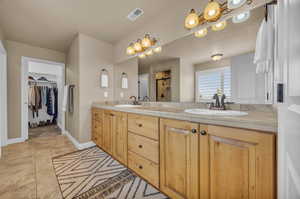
(140, 125)
(140, 146)
(203, 132)
(140, 167)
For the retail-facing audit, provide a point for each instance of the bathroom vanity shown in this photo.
(191, 156)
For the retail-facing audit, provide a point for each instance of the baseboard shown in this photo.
(15, 140)
(76, 143)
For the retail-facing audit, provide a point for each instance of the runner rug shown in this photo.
(93, 174)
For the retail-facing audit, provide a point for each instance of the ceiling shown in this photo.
(234, 40)
(54, 23)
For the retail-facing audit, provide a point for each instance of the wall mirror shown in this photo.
(196, 67)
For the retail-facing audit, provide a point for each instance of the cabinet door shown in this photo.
(107, 131)
(236, 164)
(97, 115)
(119, 129)
(179, 159)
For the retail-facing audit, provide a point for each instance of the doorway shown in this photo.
(3, 96)
(42, 94)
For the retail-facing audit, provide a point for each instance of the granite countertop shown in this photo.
(261, 120)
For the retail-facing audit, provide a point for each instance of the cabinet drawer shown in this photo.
(145, 168)
(143, 125)
(143, 146)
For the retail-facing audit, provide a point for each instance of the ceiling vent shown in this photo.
(136, 13)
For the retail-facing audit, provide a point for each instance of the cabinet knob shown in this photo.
(140, 167)
(140, 125)
(203, 132)
(140, 146)
(194, 131)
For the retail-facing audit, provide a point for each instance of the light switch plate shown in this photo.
(106, 94)
(122, 95)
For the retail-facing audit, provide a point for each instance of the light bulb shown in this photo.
(146, 42)
(241, 17)
(138, 46)
(130, 50)
(219, 26)
(142, 56)
(233, 4)
(149, 52)
(157, 49)
(201, 33)
(192, 20)
(212, 11)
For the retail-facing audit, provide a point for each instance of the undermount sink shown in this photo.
(127, 106)
(215, 112)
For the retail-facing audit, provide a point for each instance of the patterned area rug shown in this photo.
(93, 174)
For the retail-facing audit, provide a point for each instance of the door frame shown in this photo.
(24, 92)
(3, 97)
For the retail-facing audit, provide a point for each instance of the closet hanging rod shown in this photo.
(44, 82)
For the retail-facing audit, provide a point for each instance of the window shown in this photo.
(209, 81)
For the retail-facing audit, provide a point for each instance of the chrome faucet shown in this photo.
(146, 98)
(217, 104)
(134, 102)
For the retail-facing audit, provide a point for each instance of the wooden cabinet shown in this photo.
(179, 159)
(236, 164)
(107, 143)
(97, 134)
(119, 136)
(143, 125)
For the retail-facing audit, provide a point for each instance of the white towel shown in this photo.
(264, 51)
(65, 99)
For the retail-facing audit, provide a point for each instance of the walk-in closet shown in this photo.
(45, 87)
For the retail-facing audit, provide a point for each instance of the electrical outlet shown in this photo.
(122, 95)
(106, 94)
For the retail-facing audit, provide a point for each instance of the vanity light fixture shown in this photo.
(144, 47)
(213, 12)
(201, 33)
(234, 4)
(242, 17)
(219, 26)
(217, 57)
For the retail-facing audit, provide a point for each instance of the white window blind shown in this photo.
(209, 81)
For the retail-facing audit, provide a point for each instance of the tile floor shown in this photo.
(26, 170)
(51, 130)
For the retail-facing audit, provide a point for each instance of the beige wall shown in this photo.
(15, 51)
(94, 55)
(72, 77)
(130, 67)
(212, 64)
(1, 34)
(187, 81)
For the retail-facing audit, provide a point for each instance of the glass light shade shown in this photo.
(201, 33)
(219, 26)
(138, 46)
(217, 57)
(157, 49)
(242, 17)
(233, 4)
(124, 81)
(142, 56)
(149, 52)
(192, 20)
(212, 11)
(146, 41)
(104, 78)
(130, 50)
